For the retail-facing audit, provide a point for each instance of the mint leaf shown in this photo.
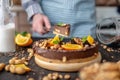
(60, 24)
(84, 39)
(61, 38)
(56, 42)
(24, 33)
(16, 33)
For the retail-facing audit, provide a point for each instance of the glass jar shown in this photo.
(7, 28)
(108, 30)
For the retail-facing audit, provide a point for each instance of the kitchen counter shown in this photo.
(37, 72)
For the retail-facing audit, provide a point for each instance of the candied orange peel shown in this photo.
(23, 66)
(55, 39)
(90, 39)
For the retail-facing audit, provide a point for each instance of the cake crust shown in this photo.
(67, 66)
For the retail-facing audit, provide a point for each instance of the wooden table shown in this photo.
(37, 72)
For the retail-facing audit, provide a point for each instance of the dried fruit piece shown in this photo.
(23, 66)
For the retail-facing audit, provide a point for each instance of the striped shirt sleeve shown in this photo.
(31, 7)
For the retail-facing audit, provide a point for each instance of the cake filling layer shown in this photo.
(70, 54)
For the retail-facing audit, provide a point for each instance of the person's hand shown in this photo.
(41, 23)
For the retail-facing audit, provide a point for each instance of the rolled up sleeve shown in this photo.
(31, 7)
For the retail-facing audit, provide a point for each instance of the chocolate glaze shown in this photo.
(70, 54)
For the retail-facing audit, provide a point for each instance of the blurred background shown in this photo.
(104, 9)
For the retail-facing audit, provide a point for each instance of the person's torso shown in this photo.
(80, 14)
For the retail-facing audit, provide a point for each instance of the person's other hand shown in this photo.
(41, 23)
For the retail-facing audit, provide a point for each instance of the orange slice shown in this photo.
(90, 39)
(30, 42)
(28, 35)
(23, 66)
(72, 46)
(22, 40)
(55, 39)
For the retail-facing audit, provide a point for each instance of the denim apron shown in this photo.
(80, 14)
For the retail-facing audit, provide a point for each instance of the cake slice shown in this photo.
(62, 29)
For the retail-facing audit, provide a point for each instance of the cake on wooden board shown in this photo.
(66, 54)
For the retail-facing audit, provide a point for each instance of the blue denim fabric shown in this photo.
(80, 14)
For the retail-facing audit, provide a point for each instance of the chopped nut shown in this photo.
(45, 43)
(108, 49)
(54, 77)
(60, 76)
(52, 47)
(86, 46)
(78, 41)
(49, 76)
(11, 61)
(43, 47)
(14, 58)
(60, 48)
(23, 59)
(104, 61)
(12, 68)
(56, 46)
(49, 40)
(37, 44)
(112, 56)
(19, 61)
(104, 46)
(29, 50)
(66, 76)
(40, 45)
(26, 63)
(55, 74)
(64, 59)
(31, 79)
(30, 56)
(45, 78)
(2, 65)
(7, 67)
(93, 44)
(77, 79)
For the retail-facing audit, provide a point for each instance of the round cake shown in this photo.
(66, 55)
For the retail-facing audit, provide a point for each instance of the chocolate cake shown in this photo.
(62, 29)
(60, 54)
